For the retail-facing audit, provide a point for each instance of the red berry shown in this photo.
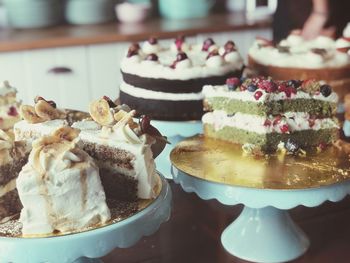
(181, 56)
(152, 57)
(233, 81)
(12, 111)
(179, 41)
(267, 122)
(284, 128)
(145, 123)
(153, 40)
(207, 44)
(258, 94)
(277, 120)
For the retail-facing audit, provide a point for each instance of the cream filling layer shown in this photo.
(295, 121)
(222, 91)
(157, 95)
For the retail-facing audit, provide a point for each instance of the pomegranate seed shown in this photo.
(258, 94)
(284, 128)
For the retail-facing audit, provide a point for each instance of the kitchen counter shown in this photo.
(69, 35)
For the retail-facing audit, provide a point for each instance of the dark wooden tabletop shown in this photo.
(193, 233)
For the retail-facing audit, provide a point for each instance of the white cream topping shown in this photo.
(296, 121)
(199, 69)
(148, 48)
(233, 57)
(342, 43)
(186, 63)
(60, 190)
(157, 95)
(346, 31)
(222, 91)
(300, 55)
(6, 88)
(29, 131)
(215, 61)
(122, 137)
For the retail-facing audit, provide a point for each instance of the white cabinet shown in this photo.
(73, 76)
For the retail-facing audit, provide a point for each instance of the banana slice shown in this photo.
(28, 113)
(100, 112)
(45, 111)
(66, 133)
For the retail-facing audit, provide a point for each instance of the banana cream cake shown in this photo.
(60, 187)
(9, 106)
(171, 77)
(262, 114)
(122, 149)
(13, 155)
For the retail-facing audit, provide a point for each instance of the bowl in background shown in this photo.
(132, 12)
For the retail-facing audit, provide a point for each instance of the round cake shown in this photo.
(166, 82)
(322, 58)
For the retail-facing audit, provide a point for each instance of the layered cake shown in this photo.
(13, 155)
(122, 149)
(263, 115)
(8, 106)
(60, 187)
(171, 78)
(295, 58)
(39, 120)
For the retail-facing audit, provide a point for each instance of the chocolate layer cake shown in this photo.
(122, 149)
(262, 114)
(13, 155)
(165, 82)
(295, 58)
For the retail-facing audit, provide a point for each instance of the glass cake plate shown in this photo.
(267, 187)
(130, 224)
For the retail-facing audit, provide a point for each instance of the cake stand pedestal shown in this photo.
(87, 247)
(264, 231)
(175, 132)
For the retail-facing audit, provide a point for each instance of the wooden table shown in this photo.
(193, 233)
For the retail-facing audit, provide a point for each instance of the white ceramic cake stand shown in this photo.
(88, 246)
(175, 132)
(264, 231)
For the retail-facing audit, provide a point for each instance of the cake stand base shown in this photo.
(270, 232)
(87, 260)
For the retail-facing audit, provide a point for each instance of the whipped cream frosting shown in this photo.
(158, 95)
(300, 53)
(296, 121)
(29, 131)
(222, 91)
(123, 137)
(199, 66)
(60, 189)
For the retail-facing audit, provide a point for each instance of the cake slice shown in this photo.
(122, 149)
(13, 155)
(60, 187)
(8, 106)
(261, 113)
(39, 120)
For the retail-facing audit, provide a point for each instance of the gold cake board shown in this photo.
(222, 162)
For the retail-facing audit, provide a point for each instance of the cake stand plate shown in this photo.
(264, 231)
(175, 132)
(86, 247)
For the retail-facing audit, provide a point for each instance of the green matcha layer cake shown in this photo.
(264, 114)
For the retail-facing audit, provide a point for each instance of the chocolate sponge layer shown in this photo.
(164, 109)
(177, 85)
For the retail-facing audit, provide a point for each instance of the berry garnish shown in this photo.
(12, 111)
(152, 57)
(267, 85)
(267, 122)
(230, 46)
(284, 128)
(325, 90)
(134, 46)
(213, 53)
(179, 41)
(291, 146)
(277, 120)
(145, 123)
(181, 56)
(207, 44)
(252, 88)
(294, 83)
(153, 40)
(258, 94)
(343, 49)
(133, 50)
(110, 102)
(233, 83)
